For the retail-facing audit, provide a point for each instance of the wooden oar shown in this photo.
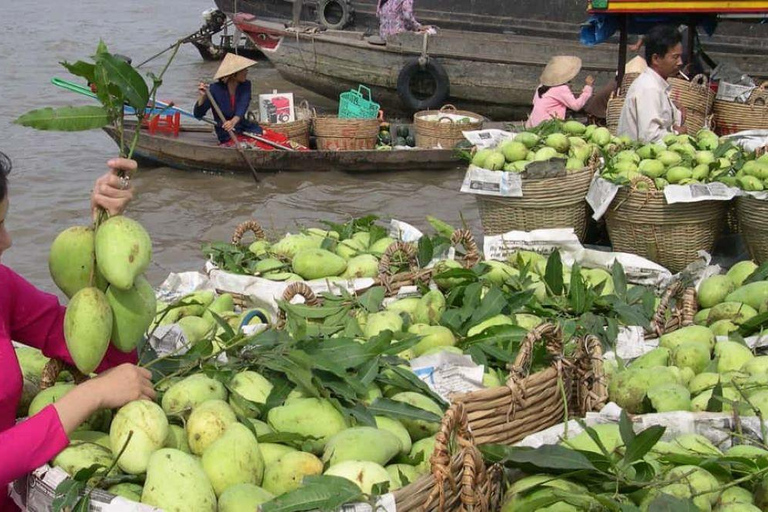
(232, 135)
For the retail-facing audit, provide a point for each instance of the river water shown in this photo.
(53, 172)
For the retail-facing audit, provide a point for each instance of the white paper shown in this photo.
(177, 285)
(697, 192)
(492, 183)
(734, 92)
(761, 195)
(600, 195)
(487, 139)
(384, 503)
(447, 373)
(637, 269)
(404, 232)
(542, 241)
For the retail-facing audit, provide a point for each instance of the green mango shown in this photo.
(288, 471)
(289, 245)
(608, 434)
(177, 439)
(491, 322)
(443, 266)
(243, 498)
(701, 317)
(132, 313)
(313, 417)
(31, 360)
(190, 392)
(224, 303)
(432, 336)
(123, 251)
(405, 305)
(364, 265)
(398, 429)
(147, 426)
(713, 290)
(87, 328)
(752, 294)
(383, 321)
(259, 247)
(79, 456)
(196, 329)
(128, 491)
(378, 247)
(419, 429)
(363, 473)
(272, 452)
(362, 443)
(195, 303)
(691, 355)
(736, 312)
(656, 357)
(253, 387)
(318, 263)
(430, 308)
(71, 261)
(234, 458)
(402, 474)
(668, 398)
(741, 271)
(176, 482)
(694, 333)
(208, 422)
(731, 356)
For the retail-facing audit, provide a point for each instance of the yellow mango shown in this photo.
(313, 417)
(123, 251)
(234, 458)
(87, 328)
(190, 392)
(147, 426)
(243, 498)
(207, 423)
(176, 482)
(72, 259)
(288, 471)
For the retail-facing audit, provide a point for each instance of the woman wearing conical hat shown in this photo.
(554, 96)
(232, 93)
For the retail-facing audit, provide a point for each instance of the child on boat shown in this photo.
(554, 96)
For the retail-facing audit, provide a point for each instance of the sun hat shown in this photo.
(636, 65)
(560, 70)
(232, 64)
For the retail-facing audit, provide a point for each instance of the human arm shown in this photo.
(242, 102)
(410, 20)
(111, 192)
(566, 97)
(649, 111)
(203, 104)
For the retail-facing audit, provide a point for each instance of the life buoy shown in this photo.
(439, 77)
(335, 14)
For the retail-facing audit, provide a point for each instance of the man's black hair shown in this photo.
(660, 40)
(5, 168)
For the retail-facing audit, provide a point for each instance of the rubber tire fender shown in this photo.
(439, 75)
(348, 14)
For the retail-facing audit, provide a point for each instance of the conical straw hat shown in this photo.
(560, 70)
(232, 64)
(636, 65)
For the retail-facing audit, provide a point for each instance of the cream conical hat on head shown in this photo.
(636, 65)
(232, 64)
(560, 70)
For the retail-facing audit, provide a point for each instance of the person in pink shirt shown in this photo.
(554, 96)
(35, 318)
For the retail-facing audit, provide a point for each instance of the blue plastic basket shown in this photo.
(354, 105)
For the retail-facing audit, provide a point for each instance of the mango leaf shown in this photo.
(643, 443)
(497, 353)
(368, 371)
(81, 68)
(619, 280)
(441, 227)
(507, 336)
(344, 352)
(549, 457)
(289, 438)
(408, 380)
(324, 493)
(371, 300)
(130, 83)
(491, 305)
(669, 503)
(401, 411)
(361, 413)
(753, 324)
(625, 428)
(553, 275)
(760, 274)
(577, 293)
(65, 119)
(715, 403)
(426, 251)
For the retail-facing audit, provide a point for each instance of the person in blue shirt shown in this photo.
(232, 92)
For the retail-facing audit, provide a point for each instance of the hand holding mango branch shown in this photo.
(114, 190)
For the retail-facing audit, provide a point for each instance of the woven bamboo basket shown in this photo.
(337, 134)
(680, 302)
(752, 214)
(529, 403)
(641, 222)
(297, 131)
(546, 203)
(732, 117)
(697, 99)
(613, 113)
(443, 132)
(626, 82)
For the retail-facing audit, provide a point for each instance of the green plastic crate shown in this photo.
(355, 105)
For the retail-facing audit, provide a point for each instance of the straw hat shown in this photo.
(232, 64)
(636, 65)
(560, 70)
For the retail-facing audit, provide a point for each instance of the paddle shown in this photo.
(232, 135)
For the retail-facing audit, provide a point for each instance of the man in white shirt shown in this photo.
(649, 113)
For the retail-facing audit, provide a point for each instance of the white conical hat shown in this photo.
(232, 64)
(560, 70)
(636, 65)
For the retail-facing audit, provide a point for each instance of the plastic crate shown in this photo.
(354, 105)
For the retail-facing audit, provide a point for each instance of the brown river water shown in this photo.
(53, 172)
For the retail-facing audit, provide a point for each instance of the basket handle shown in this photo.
(448, 108)
(407, 250)
(361, 88)
(592, 390)
(549, 333)
(243, 228)
(763, 86)
(443, 119)
(53, 368)
(291, 291)
(700, 81)
(455, 427)
(465, 238)
(643, 179)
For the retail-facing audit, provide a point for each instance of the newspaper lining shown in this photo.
(492, 183)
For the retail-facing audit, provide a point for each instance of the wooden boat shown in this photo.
(197, 149)
(492, 74)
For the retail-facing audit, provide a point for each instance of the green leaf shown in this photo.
(754, 324)
(508, 336)
(65, 119)
(345, 353)
(549, 457)
(81, 68)
(619, 280)
(371, 300)
(553, 275)
(715, 403)
(289, 438)
(122, 75)
(441, 227)
(497, 353)
(401, 411)
(760, 274)
(625, 428)
(324, 493)
(669, 503)
(363, 416)
(425, 251)
(491, 305)
(643, 443)
(577, 293)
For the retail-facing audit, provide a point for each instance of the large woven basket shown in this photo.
(297, 131)
(443, 131)
(626, 82)
(676, 310)
(531, 402)
(641, 222)
(752, 215)
(546, 203)
(732, 117)
(613, 113)
(697, 99)
(337, 134)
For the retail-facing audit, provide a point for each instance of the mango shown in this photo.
(430, 308)
(701, 401)
(422, 451)
(692, 333)
(290, 245)
(208, 422)
(260, 427)
(499, 272)
(289, 470)
(406, 305)
(491, 322)
(528, 139)
(350, 248)
(691, 355)
(176, 482)
(190, 392)
(259, 247)
(234, 458)
(713, 290)
(752, 294)
(196, 328)
(527, 321)
(363, 473)
(514, 151)
(607, 433)
(123, 251)
(90, 436)
(87, 328)
(443, 266)
(479, 157)
(313, 417)
(756, 365)
(736, 312)
(72, 261)
(177, 439)
(628, 389)
(703, 381)
(701, 317)
(596, 276)
(318, 263)
(271, 452)
(383, 321)
(731, 356)
(251, 386)
(243, 498)
(364, 265)
(698, 479)
(656, 357)
(49, 396)
(432, 336)
(378, 247)
(221, 304)
(31, 360)
(723, 327)
(744, 450)
(419, 429)
(396, 428)
(150, 429)
(127, 490)
(79, 456)
(132, 313)
(362, 443)
(741, 271)
(667, 398)
(402, 474)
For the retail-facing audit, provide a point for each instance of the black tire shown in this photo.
(436, 72)
(344, 14)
